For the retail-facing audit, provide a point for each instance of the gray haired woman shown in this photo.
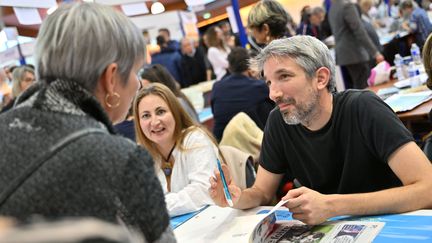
(59, 154)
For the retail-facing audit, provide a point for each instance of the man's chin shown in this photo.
(290, 119)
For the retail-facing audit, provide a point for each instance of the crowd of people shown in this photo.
(95, 130)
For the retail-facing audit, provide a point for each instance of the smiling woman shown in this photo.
(185, 153)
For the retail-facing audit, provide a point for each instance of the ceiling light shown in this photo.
(157, 8)
(206, 15)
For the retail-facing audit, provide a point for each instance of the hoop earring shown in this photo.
(109, 96)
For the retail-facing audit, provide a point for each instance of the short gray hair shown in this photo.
(78, 41)
(18, 75)
(308, 52)
(317, 10)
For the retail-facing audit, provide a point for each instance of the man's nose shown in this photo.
(275, 93)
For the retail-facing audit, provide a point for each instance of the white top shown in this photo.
(219, 61)
(190, 175)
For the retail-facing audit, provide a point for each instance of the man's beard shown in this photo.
(303, 113)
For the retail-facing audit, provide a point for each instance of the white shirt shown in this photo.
(190, 175)
(219, 61)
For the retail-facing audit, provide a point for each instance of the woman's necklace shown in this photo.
(167, 166)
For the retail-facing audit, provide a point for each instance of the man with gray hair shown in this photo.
(348, 152)
(193, 64)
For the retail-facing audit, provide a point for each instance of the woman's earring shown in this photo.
(109, 98)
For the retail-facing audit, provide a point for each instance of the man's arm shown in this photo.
(261, 193)
(410, 165)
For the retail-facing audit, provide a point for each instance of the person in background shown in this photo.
(203, 45)
(147, 42)
(193, 64)
(304, 27)
(218, 51)
(126, 127)
(419, 22)
(73, 164)
(158, 74)
(267, 21)
(170, 58)
(9, 70)
(5, 89)
(316, 18)
(312, 26)
(373, 35)
(171, 44)
(348, 151)
(238, 92)
(365, 9)
(185, 153)
(22, 78)
(353, 45)
(231, 39)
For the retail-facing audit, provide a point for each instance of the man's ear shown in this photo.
(323, 77)
(266, 29)
(108, 78)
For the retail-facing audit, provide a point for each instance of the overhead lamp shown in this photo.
(206, 15)
(157, 8)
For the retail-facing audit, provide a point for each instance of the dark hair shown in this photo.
(160, 40)
(305, 13)
(157, 73)
(238, 60)
(164, 30)
(406, 4)
(12, 68)
(223, 22)
(213, 39)
(30, 66)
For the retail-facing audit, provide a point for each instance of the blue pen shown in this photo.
(225, 186)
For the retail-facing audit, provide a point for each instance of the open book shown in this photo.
(265, 228)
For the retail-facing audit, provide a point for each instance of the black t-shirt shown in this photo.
(348, 155)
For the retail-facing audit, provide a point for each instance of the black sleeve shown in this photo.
(141, 194)
(380, 126)
(272, 148)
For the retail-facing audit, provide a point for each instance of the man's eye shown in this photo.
(284, 77)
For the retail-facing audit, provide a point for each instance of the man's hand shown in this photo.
(216, 188)
(308, 206)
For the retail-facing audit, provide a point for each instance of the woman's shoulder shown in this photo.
(114, 148)
(195, 135)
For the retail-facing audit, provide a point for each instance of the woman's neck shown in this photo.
(165, 149)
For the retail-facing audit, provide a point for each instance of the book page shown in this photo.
(330, 232)
(241, 228)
